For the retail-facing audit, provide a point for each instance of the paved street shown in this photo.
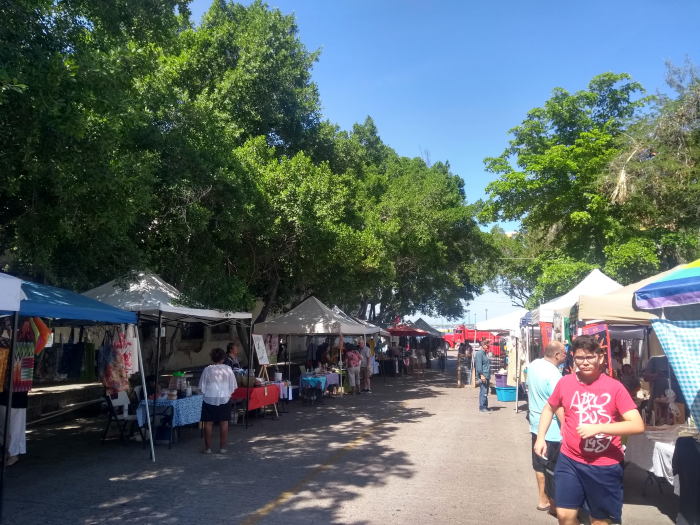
(415, 452)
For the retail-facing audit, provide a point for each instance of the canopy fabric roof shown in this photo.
(616, 306)
(504, 323)
(422, 325)
(595, 283)
(10, 293)
(679, 287)
(60, 304)
(150, 295)
(406, 330)
(311, 317)
(371, 328)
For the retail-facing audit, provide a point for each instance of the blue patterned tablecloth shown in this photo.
(186, 411)
(313, 382)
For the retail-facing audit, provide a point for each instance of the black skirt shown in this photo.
(216, 413)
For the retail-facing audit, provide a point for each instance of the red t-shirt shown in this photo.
(603, 401)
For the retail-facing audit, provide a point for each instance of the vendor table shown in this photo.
(260, 396)
(186, 410)
(653, 451)
(313, 381)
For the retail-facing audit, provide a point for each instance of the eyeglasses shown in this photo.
(589, 358)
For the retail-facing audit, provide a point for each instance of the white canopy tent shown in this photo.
(371, 328)
(312, 317)
(595, 283)
(10, 293)
(508, 323)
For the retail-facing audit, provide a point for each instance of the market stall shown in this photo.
(313, 318)
(63, 308)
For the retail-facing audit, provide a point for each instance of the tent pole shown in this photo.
(158, 340)
(250, 364)
(145, 390)
(8, 410)
(517, 376)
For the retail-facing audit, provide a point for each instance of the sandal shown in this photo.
(543, 508)
(11, 461)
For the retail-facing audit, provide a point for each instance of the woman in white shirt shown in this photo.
(217, 384)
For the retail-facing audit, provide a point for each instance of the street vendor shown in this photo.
(660, 376)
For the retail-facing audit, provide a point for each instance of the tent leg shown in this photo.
(517, 377)
(250, 366)
(15, 323)
(145, 391)
(157, 372)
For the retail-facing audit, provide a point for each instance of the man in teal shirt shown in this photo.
(542, 376)
(482, 368)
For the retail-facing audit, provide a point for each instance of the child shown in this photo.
(597, 411)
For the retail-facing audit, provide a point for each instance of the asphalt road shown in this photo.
(416, 452)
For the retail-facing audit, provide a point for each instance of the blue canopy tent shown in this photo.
(64, 308)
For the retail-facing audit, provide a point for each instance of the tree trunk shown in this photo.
(269, 300)
(243, 333)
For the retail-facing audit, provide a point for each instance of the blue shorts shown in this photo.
(597, 489)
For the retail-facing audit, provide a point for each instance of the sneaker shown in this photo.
(206, 451)
(369, 391)
(485, 410)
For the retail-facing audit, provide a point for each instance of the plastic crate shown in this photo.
(506, 393)
(501, 380)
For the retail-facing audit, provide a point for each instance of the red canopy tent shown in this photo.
(404, 330)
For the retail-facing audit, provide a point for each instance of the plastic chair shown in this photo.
(118, 412)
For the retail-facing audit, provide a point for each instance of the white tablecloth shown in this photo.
(653, 451)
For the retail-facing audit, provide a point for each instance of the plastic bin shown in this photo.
(506, 393)
(501, 379)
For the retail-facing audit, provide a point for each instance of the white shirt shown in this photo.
(366, 354)
(217, 384)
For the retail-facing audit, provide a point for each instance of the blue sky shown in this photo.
(453, 77)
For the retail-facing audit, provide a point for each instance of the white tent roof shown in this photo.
(504, 323)
(151, 295)
(371, 328)
(10, 293)
(595, 283)
(311, 317)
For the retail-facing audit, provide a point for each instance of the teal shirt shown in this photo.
(542, 377)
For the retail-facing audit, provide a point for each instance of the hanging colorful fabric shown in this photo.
(23, 373)
(44, 335)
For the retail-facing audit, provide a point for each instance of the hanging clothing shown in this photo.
(17, 443)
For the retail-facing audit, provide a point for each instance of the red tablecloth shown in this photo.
(260, 396)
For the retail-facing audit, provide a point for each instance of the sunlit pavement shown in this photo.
(415, 452)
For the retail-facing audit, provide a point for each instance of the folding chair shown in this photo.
(118, 412)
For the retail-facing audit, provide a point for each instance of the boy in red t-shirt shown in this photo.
(597, 411)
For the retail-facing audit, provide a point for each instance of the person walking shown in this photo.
(598, 411)
(366, 366)
(542, 377)
(217, 384)
(353, 360)
(482, 368)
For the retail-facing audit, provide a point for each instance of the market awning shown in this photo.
(64, 305)
(311, 317)
(680, 287)
(371, 328)
(151, 296)
(10, 293)
(405, 330)
(422, 325)
(503, 324)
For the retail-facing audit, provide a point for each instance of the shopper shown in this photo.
(542, 376)
(232, 356)
(366, 366)
(482, 368)
(217, 384)
(597, 412)
(353, 359)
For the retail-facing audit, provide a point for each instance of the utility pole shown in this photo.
(487, 314)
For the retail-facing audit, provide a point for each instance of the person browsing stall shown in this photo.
(217, 384)
(353, 360)
(482, 368)
(232, 356)
(542, 377)
(597, 412)
(366, 366)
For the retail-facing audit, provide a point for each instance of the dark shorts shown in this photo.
(596, 489)
(539, 464)
(216, 413)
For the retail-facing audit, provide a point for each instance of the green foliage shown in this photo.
(555, 277)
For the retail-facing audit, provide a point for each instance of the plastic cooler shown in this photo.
(501, 379)
(506, 393)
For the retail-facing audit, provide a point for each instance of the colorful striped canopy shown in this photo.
(678, 288)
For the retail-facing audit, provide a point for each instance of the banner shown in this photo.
(681, 343)
(600, 332)
(546, 333)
